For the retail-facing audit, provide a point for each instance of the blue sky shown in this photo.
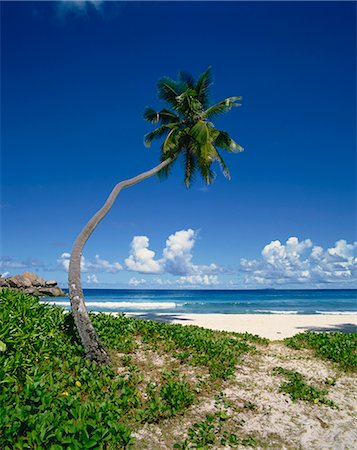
(75, 79)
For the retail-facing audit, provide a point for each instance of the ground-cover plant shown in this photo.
(169, 398)
(211, 433)
(52, 397)
(298, 389)
(335, 346)
(190, 344)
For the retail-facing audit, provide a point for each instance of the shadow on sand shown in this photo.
(166, 318)
(342, 327)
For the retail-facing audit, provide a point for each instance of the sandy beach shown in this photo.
(271, 326)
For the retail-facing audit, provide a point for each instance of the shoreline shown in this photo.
(271, 326)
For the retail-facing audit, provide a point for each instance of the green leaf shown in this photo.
(151, 115)
(222, 107)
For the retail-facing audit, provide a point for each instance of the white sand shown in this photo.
(271, 326)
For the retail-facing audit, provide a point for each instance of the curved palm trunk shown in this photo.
(90, 340)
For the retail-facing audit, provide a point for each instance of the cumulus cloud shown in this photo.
(141, 258)
(302, 262)
(101, 265)
(176, 256)
(199, 280)
(92, 279)
(189, 281)
(136, 282)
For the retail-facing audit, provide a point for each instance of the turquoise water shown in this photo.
(342, 301)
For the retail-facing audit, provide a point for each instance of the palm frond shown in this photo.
(188, 104)
(200, 132)
(190, 167)
(202, 86)
(186, 128)
(222, 164)
(224, 141)
(165, 171)
(156, 134)
(151, 115)
(201, 136)
(187, 79)
(168, 90)
(222, 107)
(167, 116)
(206, 172)
(174, 141)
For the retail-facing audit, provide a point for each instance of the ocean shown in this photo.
(317, 301)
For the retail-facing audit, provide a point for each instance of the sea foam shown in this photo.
(116, 305)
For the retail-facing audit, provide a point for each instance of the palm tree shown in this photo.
(186, 131)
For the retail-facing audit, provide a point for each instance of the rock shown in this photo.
(51, 291)
(18, 281)
(3, 283)
(30, 283)
(32, 277)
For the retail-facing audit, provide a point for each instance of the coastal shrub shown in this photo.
(51, 396)
(298, 389)
(335, 346)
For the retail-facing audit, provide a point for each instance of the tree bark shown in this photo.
(93, 347)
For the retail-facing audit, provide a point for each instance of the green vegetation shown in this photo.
(185, 126)
(217, 351)
(51, 397)
(335, 346)
(211, 432)
(298, 389)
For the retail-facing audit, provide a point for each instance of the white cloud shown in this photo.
(141, 258)
(301, 262)
(162, 282)
(77, 7)
(136, 282)
(98, 264)
(92, 279)
(199, 280)
(176, 256)
(104, 265)
(4, 275)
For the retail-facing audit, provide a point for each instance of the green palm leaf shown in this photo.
(190, 167)
(224, 141)
(156, 134)
(168, 90)
(222, 164)
(203, 84)
(151, 115)
(222, 107)
(187, 79)
(186, 129)
(167, 116)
